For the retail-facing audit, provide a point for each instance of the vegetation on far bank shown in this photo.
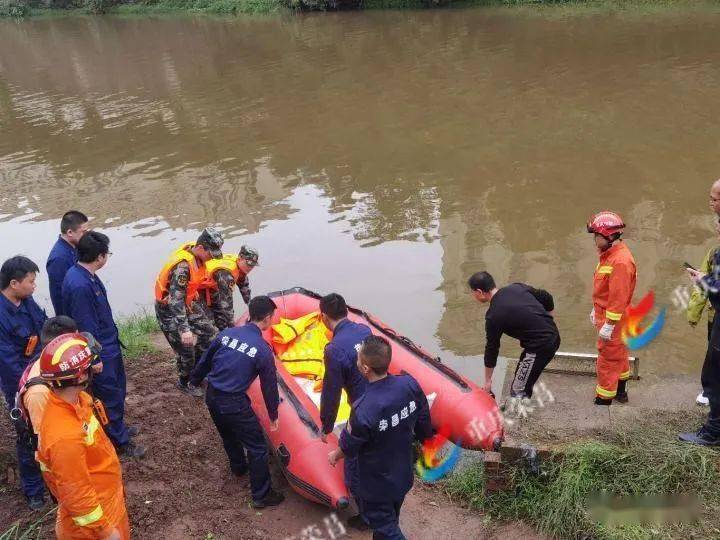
(26, 8)
(643, 460)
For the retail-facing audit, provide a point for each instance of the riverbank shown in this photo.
(37, 8)
(629, 464)
(182, 487)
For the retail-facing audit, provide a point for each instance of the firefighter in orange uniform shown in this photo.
(613, 288)
(77, 459)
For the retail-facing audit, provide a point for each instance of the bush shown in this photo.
(97, 7)
(14, 8)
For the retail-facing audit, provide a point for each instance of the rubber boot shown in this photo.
(622, 396)
(601, 401)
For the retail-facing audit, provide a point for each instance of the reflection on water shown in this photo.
(385, 155)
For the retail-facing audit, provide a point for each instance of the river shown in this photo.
(384, 155)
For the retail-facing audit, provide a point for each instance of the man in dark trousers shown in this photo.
(521, 312)
(234, 359)
(21, 322)
(63, 255)
(392, 414)
(86, 301)
(341, 371)
(709, 433)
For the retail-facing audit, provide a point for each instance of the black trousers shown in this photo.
(240, 431)
(704, 374)
(529, 368)
(383, 518)
(711, 378)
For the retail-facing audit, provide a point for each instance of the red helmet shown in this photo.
(66, 358)
(606, 223)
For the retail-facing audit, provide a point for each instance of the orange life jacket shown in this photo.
(227, 263)
(198, 275)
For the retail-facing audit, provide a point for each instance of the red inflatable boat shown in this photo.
(465, 410)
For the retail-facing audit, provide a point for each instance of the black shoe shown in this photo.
(131, 450)
(36, 502)
(133, 431)
(622, 398)
(273, 498)
(192, 390)
(358, 523)
(702, 437)
(601, 401)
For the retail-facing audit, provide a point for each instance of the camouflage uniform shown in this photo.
(176, 317)
(222, 298)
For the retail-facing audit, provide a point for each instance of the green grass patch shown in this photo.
(31, 529)
(642, 460)
(211, 7)
(135, 332)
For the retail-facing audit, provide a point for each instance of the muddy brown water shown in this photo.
(385, 155)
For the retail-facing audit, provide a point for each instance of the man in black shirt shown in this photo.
(521, 312)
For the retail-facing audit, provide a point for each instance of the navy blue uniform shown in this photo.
(341, 371)
(17, 326)
(62, 258)
(85, 300)
(383, 424)
(232, 362)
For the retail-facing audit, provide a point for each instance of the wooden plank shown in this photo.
(568, 363)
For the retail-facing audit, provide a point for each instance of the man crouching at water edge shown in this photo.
(383, 424)
(521, 312)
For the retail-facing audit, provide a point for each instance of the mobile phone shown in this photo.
(690, 266)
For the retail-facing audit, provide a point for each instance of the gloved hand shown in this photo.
(592, 316)
(606, 331)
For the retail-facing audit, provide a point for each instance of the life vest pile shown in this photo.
(305, 339)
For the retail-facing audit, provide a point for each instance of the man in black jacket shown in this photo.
(521, 312)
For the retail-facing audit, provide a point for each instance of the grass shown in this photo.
(211, 7)
(135, 334)
(31, 530)
(643, 460)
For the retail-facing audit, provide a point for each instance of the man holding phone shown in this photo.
(709, 284)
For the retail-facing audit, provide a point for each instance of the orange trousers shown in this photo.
(613, 362)
(67, 530)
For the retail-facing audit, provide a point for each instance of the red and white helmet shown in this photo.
(606, 223)
(66, 358)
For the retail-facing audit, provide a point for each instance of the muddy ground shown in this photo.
(183, 489)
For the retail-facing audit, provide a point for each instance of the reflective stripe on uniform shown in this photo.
(604, 269)
(89, 518)
(93, 426)
(612, 315)
(625, 375)
(43, 467)
(605, 393)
